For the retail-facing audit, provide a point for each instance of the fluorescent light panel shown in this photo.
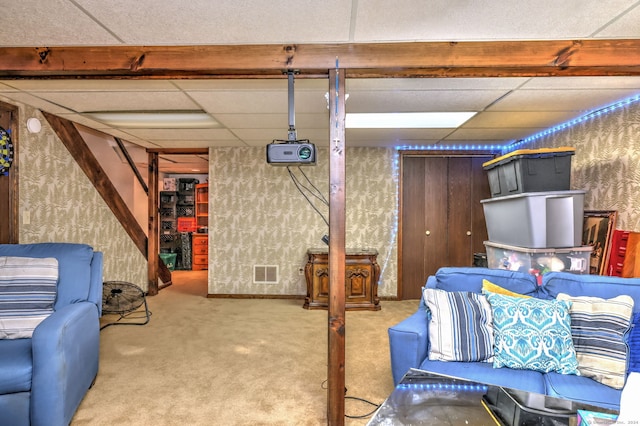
(407, 120)
(155, 119)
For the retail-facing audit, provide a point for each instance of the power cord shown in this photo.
(355, 398)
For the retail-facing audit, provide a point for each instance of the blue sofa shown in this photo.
(409, 340)
(44, 378)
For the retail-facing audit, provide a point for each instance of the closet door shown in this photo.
(442, 217)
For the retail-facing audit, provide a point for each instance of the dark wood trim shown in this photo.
(75, 144)
(188, 151)
(360, 60)
(12, 217)
(337, 255)
(153, 230)
(256, 296)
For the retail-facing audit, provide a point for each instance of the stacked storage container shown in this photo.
(534, 221)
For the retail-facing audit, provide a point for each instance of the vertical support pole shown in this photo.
(153, 235)
(337, 222)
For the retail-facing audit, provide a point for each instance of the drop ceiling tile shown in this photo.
(559, 100)
(197, 143)
(273, 121)
(566, 83)
(36, 102)
(422, 101)
(181, 134)
(626, 26)
(478, 144)
(268, 135)
(73, 85)
(51, 23)
(396, 134)
(447, 20)
(504, 134)
(7, 87)
(413, 84)
(120, 101)
(241, 102)
(490, 119)
(224, 21)
(252, 85)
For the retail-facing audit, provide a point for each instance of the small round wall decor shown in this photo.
(6, 152)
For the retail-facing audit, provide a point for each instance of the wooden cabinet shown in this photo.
(199, 251)
(202, 207)
(361, 280)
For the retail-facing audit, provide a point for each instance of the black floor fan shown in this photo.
(124, 299)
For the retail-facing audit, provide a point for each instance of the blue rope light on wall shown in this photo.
(568, 124)
(395, 166)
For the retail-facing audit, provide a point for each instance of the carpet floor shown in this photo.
(207, 361)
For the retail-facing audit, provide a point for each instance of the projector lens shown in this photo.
(304, 153)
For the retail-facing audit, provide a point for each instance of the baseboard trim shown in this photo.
(254, 296)
(274, 296)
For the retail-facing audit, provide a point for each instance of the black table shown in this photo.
(424, 398)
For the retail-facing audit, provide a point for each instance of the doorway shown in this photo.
(442, 219)
(9, 179)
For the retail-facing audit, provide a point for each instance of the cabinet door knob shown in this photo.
(427, 233)
(468, 233)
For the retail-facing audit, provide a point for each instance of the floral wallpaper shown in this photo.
(64, 206)
(258, 217)
(606, 163)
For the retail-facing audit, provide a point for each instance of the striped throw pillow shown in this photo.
(27, 294)
(598, 328)
(460, 326)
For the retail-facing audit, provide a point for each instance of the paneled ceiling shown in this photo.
(253, 112)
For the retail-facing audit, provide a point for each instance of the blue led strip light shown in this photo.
(568, 124)
(457, 387)
(503, 149)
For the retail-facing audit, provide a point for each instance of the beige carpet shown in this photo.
(204, 361)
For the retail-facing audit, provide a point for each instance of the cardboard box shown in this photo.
(169, 184)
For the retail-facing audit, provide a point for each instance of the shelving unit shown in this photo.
(202, 207)
(200, 238)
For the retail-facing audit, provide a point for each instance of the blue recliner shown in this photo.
(44, 378)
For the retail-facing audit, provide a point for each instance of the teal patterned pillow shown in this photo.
(532, 334)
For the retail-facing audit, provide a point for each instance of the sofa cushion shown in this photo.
(605, 287)
(582, 389)
(460, 327)
(27, 294)
(598, 328)
(470, 279)
(488, 286)
(15, 366)
(74, 266)
(532, 334)
(483, 372)
(633, 340)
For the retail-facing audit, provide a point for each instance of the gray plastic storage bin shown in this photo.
(538, 261)
(530, 170)
(536, 219)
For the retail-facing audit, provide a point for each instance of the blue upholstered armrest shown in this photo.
(65, 362)
(408, 342)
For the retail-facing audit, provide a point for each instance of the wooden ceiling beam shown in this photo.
(361, 60)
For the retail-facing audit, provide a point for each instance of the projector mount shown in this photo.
(292, 151)
(292, 134)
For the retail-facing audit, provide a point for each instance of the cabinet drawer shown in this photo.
(200, 249)
(200, 259)
(200, 240)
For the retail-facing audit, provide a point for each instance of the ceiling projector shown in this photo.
(291, 153)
